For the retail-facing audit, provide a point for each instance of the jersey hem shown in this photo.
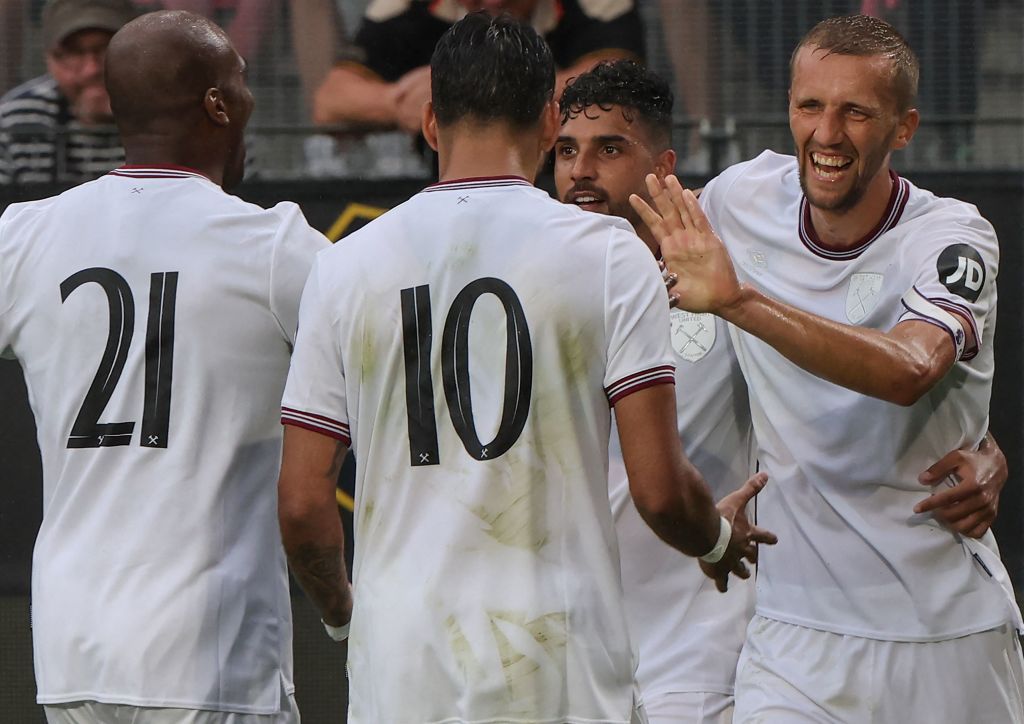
(879, 635)
(651, 694)
(156, 703)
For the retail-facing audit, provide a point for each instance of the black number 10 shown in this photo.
(419, 385)
(87, 430)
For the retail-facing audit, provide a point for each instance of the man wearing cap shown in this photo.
(58, 127)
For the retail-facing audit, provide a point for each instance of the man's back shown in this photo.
(153, 316)
(482, 329)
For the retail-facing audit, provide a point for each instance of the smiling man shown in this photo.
(868, 307)
(616, 129)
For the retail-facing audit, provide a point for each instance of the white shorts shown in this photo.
(796, 675)
(93, 712)
(689, 708)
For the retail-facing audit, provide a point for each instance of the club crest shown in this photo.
(693, 335)
(862, 296)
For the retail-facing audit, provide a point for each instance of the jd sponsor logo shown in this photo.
(962, 271)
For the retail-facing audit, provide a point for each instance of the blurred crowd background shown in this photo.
(728, 60)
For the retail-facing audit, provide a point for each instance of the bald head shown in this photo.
(176, 83)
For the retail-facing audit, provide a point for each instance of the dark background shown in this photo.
(320, 663)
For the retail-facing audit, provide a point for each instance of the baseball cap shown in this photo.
(62, 18)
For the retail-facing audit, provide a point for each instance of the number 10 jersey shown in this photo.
(153, 316)
(467, 345)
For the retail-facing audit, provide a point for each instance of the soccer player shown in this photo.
(868, 307)
(154, 315)
(616, 129)
(453, 346)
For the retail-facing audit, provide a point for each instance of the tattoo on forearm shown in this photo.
(321, 573)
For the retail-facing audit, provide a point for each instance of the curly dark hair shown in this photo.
(636, 91)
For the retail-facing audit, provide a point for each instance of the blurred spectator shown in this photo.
(58, 126)
(248, 23)
(385, 79)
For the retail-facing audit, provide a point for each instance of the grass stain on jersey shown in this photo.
(512, 521)
(462, 652)
(368, 352)
(538, 642)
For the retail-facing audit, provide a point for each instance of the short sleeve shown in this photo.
(295, 247)
(588, 27)
(6, 284)
(636, 319)
(955, 280)
(394, 45)
(314, 395)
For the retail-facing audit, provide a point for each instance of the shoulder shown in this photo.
(767, 169)
(938, 221)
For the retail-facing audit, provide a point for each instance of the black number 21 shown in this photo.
(419, 385)
(87, 430)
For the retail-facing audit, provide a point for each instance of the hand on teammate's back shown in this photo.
(968, 507)
(693, 254)
(745, 535)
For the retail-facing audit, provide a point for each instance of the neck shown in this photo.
(161, 152)
(845, 229)
(488, 150)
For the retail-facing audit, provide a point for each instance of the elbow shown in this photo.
(912, 383)
(294, 518)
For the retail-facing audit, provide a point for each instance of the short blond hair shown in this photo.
(863, 35)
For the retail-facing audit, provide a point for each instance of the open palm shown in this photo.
(706, 279)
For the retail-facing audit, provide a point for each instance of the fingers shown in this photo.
(673, 301)
(752, 487)
(663, 201)
(974, 525)
(649, 216)
(946, 465)
(670, 280)
(948, 497)
(762, 535)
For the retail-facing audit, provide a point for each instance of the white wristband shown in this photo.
(338, 633)
(724, 536)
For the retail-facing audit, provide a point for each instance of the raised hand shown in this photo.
(706, 279)
(745, 535)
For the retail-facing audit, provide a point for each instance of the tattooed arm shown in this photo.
(310, 524)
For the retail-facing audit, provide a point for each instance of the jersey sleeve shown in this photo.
(955, 281)
(314, 395)
(295, 246)
(636, 320)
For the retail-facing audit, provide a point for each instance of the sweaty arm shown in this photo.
(310, 524)
(898, 366)
(670, 494)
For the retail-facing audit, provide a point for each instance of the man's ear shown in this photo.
(216, 109)
(665, 163)
(428, 124)
(551, 123)
(906, 128)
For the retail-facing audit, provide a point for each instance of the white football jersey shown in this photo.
(154, 315)
(689, 635)
(852, 556)
(467, 344)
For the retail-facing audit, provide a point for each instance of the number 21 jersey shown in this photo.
(467, 345)
(153, 316)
